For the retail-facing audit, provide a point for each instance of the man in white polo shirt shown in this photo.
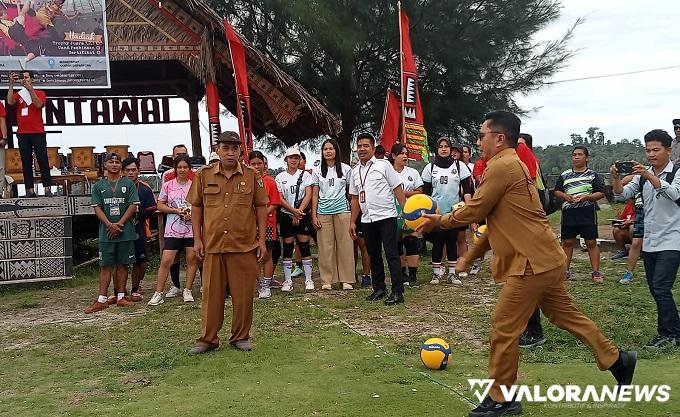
(373, 186)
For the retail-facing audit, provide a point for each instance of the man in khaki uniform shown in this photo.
(229, 219)
(528, 260)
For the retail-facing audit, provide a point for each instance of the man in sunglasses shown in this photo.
(675, 145)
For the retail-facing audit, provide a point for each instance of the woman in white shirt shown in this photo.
(331, 217)
(446, 181)
(412, 184)
(295, 189)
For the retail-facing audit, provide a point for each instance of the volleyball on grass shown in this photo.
(481, 231)
(435, 353)
(415, 207)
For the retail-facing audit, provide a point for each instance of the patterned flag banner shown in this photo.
(414, 133)
(238, 61)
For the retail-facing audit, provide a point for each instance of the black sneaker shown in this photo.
(528, 340)
(660, 342)
(491, 408)
(365, 281)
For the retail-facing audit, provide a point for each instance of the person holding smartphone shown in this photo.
(30, 130)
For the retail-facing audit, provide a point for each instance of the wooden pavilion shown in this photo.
(166, 49)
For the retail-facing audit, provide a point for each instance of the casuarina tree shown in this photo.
(473, 56)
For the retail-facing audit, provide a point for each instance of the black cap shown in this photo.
(111, 155)
(229, 137)
(458, 146)
(676, 122)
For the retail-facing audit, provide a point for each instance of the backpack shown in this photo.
(669, 179)
(549, 203)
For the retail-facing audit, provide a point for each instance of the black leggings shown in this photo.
(441, 237)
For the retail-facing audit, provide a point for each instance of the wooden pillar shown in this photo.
(196, 147)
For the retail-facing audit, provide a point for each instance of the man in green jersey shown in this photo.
(115, 200)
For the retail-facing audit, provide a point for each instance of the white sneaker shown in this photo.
(475, 269)
(188, 297)
(173, 292)
(156, 299)
(462, 275)
(347, 286)
(309, 285)
(435, 279)
(453, 279)
(325, 286)
(265, 293)
(287, 286)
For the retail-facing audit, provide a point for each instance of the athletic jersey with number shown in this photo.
(114, 197)
(288, 187)
(332, 190)
(411, 179)
(446, 184)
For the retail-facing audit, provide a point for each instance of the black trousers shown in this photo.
(29, 143)
(383, 235)
(534, 325)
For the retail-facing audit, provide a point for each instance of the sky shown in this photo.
(616, 36)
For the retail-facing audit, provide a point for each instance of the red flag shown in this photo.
(389, 132)
(238, 63)
(413, 131)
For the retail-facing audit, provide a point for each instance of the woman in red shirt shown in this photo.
(256, 160)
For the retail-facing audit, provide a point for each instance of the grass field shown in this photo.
(317, 354)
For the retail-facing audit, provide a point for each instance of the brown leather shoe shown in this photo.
(201, 348)
(136, 297)
(244, 345)
(96, 306)
(124, 302)
(112, 300)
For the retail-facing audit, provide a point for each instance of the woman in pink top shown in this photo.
(178, 233)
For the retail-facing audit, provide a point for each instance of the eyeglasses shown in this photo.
(677, 127)
(482, 134)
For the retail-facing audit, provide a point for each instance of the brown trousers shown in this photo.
(336, 249)
(517, 301)
(234, 274)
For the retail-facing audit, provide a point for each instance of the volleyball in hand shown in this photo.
(435, 353)
(479, 233)
(415, 207)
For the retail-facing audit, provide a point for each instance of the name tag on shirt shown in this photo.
(362, 197)
(24, 112)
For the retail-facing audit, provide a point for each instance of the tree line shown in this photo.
(603, 152)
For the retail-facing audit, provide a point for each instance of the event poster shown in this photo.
(62, 41)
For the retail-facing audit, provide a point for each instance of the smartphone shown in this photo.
(624, 168)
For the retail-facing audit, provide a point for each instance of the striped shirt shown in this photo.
(576, 184)
(332, 190)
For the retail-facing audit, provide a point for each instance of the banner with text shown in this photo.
(63, 42)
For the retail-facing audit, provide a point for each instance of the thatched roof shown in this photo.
(193, 34)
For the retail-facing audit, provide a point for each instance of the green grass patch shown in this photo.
(317, 354)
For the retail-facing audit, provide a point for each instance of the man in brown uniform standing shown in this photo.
(528, 260)
(229, 207)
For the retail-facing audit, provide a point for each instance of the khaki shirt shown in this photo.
(675, 150)
(518, 231)
(229, 220)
